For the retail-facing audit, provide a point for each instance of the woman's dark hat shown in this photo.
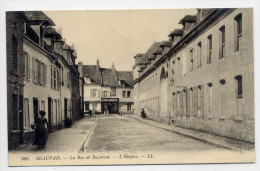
(42, 112)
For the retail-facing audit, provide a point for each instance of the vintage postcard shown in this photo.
(120, 87)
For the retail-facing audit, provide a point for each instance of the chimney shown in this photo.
(98, 66)
(113, 67)
(80, 68)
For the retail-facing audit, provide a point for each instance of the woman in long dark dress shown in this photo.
(41, 132)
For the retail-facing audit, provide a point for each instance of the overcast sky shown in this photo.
(115, 36)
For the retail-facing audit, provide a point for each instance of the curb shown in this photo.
(191, 136)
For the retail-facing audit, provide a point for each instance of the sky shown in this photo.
(115, 36)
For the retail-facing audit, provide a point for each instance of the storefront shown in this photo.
(112, 104)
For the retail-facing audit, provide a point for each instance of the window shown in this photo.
(199, 55)
(191, 60)
(209, 49)
(86, 105)
(43, 105)
(239, 86)
(26, 114)
(62, 81)
(128, 93)
(178, 66)
(54, 79)
(15, 52)
(105, 94)
(94, 93)
(129, 106)
(113, 91)
(68, 80)
(222, 42)
(238, 32)
(15, 112)
(26, 66)
(123, 93)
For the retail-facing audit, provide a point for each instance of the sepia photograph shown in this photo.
(130, 86)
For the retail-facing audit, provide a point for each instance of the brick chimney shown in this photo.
(113, 67)
(80, 66)
(97, 65)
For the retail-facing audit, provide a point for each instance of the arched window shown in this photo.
(238, 32)
(239, 86)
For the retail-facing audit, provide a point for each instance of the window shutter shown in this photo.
(33, 69)
(45, 74)
(58, 80)
(91, 92)
(29, 67)
(51, 78)
(202, 100)
(235, 36)
(99, 93)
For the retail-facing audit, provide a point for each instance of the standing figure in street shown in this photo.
(143, 114)
(108, 109)
(41, 132)
(120, 111)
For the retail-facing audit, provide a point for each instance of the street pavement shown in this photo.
(130, 133)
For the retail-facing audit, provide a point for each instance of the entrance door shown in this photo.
(49, 110)
(21, 118)
(35, 109)
(65, 108)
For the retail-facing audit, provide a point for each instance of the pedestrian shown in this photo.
(143, 114)
(41, 133)
(108, 110)
(120, 111)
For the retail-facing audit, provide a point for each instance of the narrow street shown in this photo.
(130, 139)
(126, 134)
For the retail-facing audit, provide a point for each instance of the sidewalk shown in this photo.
(66, 139)
(219, 141)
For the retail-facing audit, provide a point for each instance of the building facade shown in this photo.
(15, 71)
(47, 68)
(203, 79)
(106, 88)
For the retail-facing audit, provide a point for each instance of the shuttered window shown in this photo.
(188, 101)
(15, 112)
(238, 32)
(26, 114)
(209, 49)
(15, 52)
(202, 101)
(191, 60)
(199, 55)
(222, 42)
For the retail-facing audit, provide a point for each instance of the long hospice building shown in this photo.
(203, 77)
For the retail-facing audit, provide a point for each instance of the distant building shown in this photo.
(203, 78)
(106, 88)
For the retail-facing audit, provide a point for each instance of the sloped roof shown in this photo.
(38, 16)
(166, 43)
(178, 32)
(139, 55)
(109, 77)
(127, 76)
(153, 48)
(189, 18)
(91, 72)
(50, 32)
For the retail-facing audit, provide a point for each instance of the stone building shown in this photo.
(106, 88)
(47, 70)
(15, 69)
(202, 79)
